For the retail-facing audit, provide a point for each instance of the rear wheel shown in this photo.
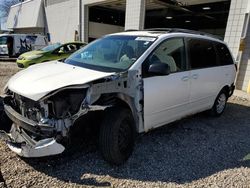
(117, 135)
(220, 103)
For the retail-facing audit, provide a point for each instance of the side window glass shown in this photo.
(201, 53)
(3, 40)
(225, 57)
(79, 46)
(66, 49)
(72, 47)
(170, 52)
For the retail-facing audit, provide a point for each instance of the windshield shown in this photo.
(111, 53)
(51, 47)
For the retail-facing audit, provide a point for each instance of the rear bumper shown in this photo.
(231, 90)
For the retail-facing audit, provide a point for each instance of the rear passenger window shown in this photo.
(201, 53)
(225, 57)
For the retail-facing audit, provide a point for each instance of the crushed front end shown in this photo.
(40, 128)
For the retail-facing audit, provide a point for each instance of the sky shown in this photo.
(3, 24)
(2, 21)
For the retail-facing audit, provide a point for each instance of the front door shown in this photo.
(166, 97)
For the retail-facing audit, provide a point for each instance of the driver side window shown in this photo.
(170, 52)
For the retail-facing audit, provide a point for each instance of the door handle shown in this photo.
(185, 78)
(195, 76)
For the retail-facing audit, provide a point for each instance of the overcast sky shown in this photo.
(3, 23)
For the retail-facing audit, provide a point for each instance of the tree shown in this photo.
(5, 6)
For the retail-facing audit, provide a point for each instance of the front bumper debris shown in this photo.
(23, 145)
(27, 124)
(20, 141)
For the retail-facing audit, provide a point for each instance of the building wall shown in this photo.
(84, 22)
(62, 17)
(233, 36)
(243, 78)
(235, 24)
(97, 30)
(34, 30)
(27, 14)
(135, 14)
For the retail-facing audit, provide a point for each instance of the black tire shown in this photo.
(219, 104)
(5, 122)
(117, 135)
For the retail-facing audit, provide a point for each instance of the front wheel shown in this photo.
(219, 104)
(117, 135)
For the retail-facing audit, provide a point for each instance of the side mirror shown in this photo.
(159, 69)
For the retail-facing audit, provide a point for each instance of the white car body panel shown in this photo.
(206, 84)
(164, 101)
(38, 80)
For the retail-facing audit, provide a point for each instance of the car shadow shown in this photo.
(182, 152)
(2, 181)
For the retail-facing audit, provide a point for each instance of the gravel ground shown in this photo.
(199, 151)
(7, 69)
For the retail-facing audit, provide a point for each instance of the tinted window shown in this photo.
(3, 40)
(201, 53)
(171, 52)
(225, 57)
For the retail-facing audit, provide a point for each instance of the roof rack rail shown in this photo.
(171, 30)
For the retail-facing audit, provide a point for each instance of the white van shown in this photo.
(138, 80)
(13, 45)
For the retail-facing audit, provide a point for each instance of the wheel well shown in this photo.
(122, 103)
(226, 88)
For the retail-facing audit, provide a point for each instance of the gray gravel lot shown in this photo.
(199, 151)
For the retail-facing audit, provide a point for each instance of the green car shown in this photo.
(55, 51)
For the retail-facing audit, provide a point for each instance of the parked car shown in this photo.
(13, 45)
(55, 51)
(139, 80)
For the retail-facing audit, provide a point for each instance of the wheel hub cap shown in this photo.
(221, 103)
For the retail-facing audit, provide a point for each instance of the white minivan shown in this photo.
(137, 80)
(13, 45)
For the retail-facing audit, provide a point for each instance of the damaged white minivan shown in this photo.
(140, 80)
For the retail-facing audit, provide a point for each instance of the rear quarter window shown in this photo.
(202, 53)
(224, 55)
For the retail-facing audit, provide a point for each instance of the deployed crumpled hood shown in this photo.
(38, 80)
